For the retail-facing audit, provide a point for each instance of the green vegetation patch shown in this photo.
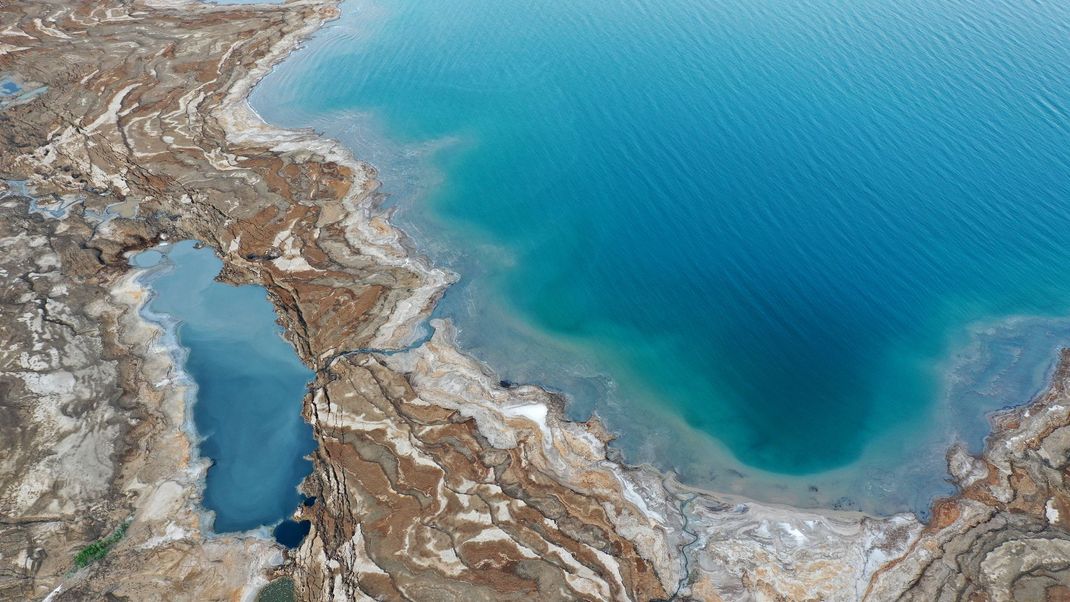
(99, 548)
(279, 590)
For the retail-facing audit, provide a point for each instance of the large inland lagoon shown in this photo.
(248, 385)
(789, 249)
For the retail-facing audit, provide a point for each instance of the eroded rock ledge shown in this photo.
(434, 483)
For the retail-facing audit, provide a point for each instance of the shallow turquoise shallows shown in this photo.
(790, 248)
(249, 387)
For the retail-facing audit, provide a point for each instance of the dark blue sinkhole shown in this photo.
(290, 533)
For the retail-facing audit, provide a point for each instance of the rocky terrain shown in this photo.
(433, 480)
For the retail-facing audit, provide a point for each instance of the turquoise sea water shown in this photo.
(249, 387)
(789, 248)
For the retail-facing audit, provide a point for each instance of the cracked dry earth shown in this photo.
(434, 482)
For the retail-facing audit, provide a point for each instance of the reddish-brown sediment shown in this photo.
(433, 482)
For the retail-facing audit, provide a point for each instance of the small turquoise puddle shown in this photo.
(13, 93)
(249, 387)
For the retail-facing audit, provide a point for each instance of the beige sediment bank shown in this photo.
(432, 481)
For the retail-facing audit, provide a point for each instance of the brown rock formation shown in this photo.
(1006, 536)
(91, 435)
(419, 505)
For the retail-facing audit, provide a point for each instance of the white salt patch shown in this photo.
(535, 412)
(297, 264)
(172, 533)
(360, 562)
(163, 501)
(633, 497)
(794, 532)
(112, 112)
(763, 531)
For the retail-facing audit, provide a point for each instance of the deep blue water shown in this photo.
(249, 387)
(291, 533)
(772, 243)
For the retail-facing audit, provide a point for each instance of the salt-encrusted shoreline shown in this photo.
(136, 288)
(431, 480)
(164, 372)
(368, 232)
